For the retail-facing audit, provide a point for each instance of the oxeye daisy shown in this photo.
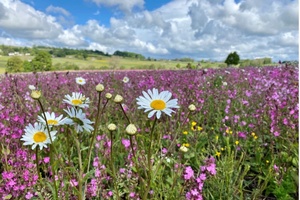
(37, 135)
(77, 99)
(157, 102)
(125, 79)
(80, 81)
(79, 120)
(51, 119)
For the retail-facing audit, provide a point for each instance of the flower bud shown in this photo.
(99, 87)
(118, 98)
(108, 95)
(131, 129)
(192, 107)
(112, 127)
(35, 94)
(183, 149)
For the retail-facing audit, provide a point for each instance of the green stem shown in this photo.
(51, 149)
(93, 137)
(80, 169)
(149, 162)
(115, 182)
(37, 162)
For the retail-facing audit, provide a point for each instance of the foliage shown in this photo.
(14, 64)
(232, 59)
(42, 62)
(129, 55)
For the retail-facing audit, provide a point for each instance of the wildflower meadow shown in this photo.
(227, 133)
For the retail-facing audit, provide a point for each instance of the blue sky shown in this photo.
(199, 29)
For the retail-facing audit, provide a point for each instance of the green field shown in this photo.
(103, 62)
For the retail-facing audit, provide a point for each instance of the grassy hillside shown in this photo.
(103, 62)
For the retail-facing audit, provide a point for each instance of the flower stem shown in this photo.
(125, 113)
(93, 137)
(149, 162)
(51, 149)
(115, 182)
(37, 162)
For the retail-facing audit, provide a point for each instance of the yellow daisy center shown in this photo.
(80, 80)
(52, 122)
(76, 102)
(158, 104)
(39, 137)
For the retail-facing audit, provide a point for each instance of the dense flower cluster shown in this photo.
(267, 100)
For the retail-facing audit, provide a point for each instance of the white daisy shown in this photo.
(51, 119)
(80, 81)
(157, 102)
(37, 135)
(125, 79)
(79, 120)
(77, 99)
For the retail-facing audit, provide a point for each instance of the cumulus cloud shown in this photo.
(22, 20)
(181, 28)
(125, 6)
(59, 10)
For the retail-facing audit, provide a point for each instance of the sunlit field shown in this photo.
(161, 134)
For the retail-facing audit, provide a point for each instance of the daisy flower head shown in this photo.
(125, 79)
(52, 120)
(37, 135)
(80, 81)
(77, 99)
(79, 120)
(157, 102)
(31, 87)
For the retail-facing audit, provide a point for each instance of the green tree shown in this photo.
(232, 59)
(27, 66)
(42, 61)
(14, 64)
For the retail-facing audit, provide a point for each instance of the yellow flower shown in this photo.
(218, 154)
(183, 149)
(253, 134)
(255, 137)
(236, 142)
(217, 137)
(222, 149)
(194, 123)
(227, 130)
(192, 107)
(267, 161)
(199, 128)
(212, 128)
(230, 132)
(186, 144)
(185, 132)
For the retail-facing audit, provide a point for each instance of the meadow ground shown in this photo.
(228, 133)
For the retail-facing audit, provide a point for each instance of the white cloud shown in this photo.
(59, 10)
(22, 20)
(125, 6)
(180, 28)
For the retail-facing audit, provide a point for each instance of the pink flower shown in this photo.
(126, 143)
(29, 195)
(46, 160)
(188, 173)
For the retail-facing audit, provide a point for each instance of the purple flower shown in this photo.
(188, 173)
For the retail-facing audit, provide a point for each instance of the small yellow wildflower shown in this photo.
(255, 137)
(227, 130)
(199, 128)
(237, 142)
(186, 144)
(222, 149)
(218, 154)
(217, 137)
(253, 134)
(194, 123)
(185, 132)
(267, 161)
(212, 128)
(230, 132)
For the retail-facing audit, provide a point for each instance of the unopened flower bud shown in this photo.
(99, 87)
(108, 95)
(35, 94)
(118, 98)
(131, 129)
(183, 149)
(192, 107)
(112, 127)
